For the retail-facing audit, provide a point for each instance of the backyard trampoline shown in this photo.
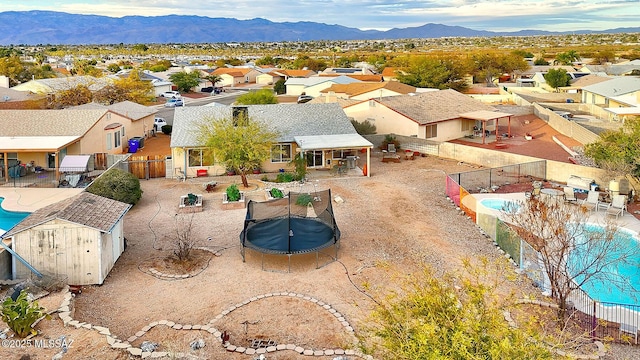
(301, 223)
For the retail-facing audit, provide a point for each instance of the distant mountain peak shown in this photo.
(50, 27)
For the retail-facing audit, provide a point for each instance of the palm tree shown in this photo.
(214, 79)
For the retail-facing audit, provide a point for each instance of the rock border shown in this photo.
(66, 309)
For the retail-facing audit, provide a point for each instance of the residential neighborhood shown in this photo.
(403, 170)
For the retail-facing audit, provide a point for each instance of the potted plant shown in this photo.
(275, 193)
(210, 186)
(231, 171)
(256, 169)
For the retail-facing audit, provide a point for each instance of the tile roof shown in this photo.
(289, 120)
(315, 80)
(86, 209)
(48, 122)
(128, 109)
(235, 72)
(588, 80)
(354, 89)
(433, 106)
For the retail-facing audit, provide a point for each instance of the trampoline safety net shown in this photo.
(299, 223)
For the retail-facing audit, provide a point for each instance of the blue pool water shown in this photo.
(604, 291)
(496, 203)
(9, 218)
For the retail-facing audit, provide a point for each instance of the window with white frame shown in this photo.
(199, 157)
(117, 139)
(281, 153)
(109, 141)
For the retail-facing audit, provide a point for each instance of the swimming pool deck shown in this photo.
(32, 199)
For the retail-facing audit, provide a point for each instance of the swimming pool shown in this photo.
(604, 291)
(497, 203)
(9, 218)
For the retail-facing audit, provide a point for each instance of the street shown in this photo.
(226, 98)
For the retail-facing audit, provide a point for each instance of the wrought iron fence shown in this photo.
(484, 180)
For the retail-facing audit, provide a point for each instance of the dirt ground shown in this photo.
(392, 224)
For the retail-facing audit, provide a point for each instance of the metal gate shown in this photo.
(147, 167)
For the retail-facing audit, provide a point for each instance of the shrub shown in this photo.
(117, 185)
(276, 193)
(20, 314)
(233, 193)
(285, 177)
(166, 129)
(304, 199)
(389, 139)
(364, 128)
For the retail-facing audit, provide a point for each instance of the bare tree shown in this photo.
(572, 252)
(183, 240)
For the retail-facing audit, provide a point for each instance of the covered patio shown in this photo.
(333, 147)
(485, 116)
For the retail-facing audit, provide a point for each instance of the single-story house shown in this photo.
(321, 131)
(368, 90)
(604, 93)
(619, 69)
(141, 117)
(273, 76)
(235, 75)
(50, 86)
(78, 239)
(314, 85)
(42, 138)
(434, 115)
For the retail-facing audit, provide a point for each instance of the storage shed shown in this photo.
(78, 239)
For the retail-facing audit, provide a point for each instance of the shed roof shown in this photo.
(615, 87)
(85, 209)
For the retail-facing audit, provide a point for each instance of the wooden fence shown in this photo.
(147, 167)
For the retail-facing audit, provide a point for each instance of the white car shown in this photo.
(158, 123)
(171, 94)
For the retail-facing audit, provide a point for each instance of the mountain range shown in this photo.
(50, 27)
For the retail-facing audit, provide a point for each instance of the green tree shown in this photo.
(117, 185)
(185, 81)
(140, 47)
(490, 65)
(618, 149)
(602, 57)
(20, 314)
(279, 87)
(12, 68)
(258, 97)
(431, 72)
(240, 143)
(567, 58)
(214, 79)
(540, 61)
(266, 60)
(557, 78)
(443, 318)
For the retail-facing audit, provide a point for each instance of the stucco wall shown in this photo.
(386, 120)
(565, 127)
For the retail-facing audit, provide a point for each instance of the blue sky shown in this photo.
(493, 15)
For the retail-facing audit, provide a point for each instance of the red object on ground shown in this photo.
(201, 172)
(364, 170)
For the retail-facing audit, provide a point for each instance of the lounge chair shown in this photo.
(569, 195)
(617, 206)
(592, 200)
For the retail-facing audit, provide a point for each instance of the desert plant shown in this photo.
(117, 185)
(364, 128)
(276, 193)
(233, 193)
(20, 314)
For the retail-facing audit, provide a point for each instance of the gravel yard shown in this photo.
(391, 224)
